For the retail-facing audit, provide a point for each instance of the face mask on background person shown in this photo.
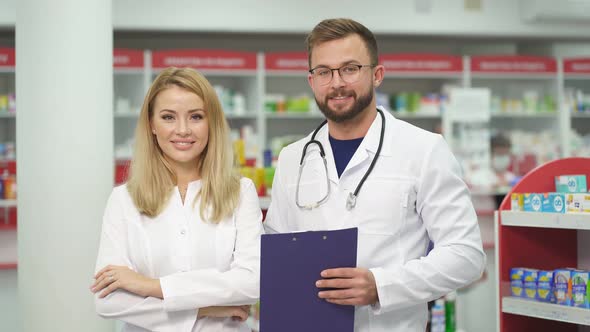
(500, 163)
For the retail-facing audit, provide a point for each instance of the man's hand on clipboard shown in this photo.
(350, 286)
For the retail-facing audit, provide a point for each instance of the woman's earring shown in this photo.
(154, 131)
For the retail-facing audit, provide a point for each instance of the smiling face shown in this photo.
(338, 100)
(179, 122)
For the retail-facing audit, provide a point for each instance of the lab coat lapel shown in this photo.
(369, 143)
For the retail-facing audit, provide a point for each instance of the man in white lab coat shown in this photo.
(400, 185)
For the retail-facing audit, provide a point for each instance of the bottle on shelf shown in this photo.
(8, 185)
(437, 321)
(450, 312)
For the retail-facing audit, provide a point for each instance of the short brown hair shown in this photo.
(338, 28)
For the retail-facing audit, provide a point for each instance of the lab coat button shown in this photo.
(183, 232)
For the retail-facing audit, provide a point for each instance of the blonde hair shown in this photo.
(338, 28)
(152, 178)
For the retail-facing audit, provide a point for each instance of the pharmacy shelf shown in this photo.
(7, 227)
(545, 115)
(581, 115)
(424, 75)
(286, 73)
(546, 220)
(7, 115)
(417, 115)
(217, 73)
(513, 305)
(503, 76)
(129, 71)
(294, 115)
(4, 203)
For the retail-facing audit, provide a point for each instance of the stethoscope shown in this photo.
(351, 200)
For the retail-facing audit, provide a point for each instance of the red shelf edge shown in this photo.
(8, 266)
(7, 227)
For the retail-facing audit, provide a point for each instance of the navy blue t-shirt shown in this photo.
(343, 151)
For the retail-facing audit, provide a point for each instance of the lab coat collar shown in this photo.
(371, 141)
(369, 144)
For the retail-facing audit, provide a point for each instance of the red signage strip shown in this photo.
(7, 58)
(576, 66)
(292, 61)
(513, 64)
(204, 59)
(421, 63)
(124, 58)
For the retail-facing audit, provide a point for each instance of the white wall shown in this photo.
(497, 17)
(8, 300)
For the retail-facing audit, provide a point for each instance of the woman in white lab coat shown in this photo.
(179, 249)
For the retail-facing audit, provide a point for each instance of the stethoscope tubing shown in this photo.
(351, 201)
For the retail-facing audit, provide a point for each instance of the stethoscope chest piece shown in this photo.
(350, 201)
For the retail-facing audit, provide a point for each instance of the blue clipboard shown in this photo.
(290, 265)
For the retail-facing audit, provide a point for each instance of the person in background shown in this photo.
(398, 184)
(502, 160)
(179, 249)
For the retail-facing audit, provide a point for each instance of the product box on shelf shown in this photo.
(563, 286)
(533, 202)
(577, 202)
(545, 286)
(517, 200)
(571, 184)
(580, 292)
(554, 202)
(530, 277)
(516, 279)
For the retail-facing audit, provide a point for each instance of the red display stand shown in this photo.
(544, 248)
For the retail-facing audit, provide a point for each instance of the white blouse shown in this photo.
(199, 264)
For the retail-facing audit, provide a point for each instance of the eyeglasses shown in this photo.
(348, 73)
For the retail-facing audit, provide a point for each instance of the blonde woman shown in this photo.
(179, 249)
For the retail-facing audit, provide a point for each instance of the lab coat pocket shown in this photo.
(382, 205)
(225, 240)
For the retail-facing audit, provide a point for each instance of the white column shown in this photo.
(64, 130)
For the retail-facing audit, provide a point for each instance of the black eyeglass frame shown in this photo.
(338, 69)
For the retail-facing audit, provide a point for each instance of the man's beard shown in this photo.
(357, 108)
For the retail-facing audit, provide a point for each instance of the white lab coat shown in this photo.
(415, 193)
(199, 264)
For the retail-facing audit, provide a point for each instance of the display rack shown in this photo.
(548, 311)
(542, 241)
